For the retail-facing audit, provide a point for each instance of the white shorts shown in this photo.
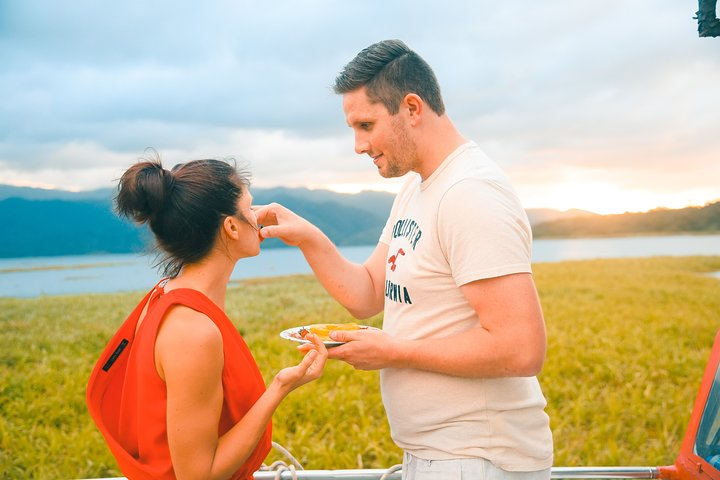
(462, 469)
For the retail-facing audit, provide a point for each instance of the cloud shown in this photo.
(552, 86)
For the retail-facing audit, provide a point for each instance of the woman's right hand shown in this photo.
(309, 369)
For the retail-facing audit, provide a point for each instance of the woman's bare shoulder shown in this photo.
(187, 339)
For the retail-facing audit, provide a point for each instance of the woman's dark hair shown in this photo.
(184, 207)
(389, 70)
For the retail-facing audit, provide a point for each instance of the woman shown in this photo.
(177, 393)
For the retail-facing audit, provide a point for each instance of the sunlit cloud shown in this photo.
(606, 191)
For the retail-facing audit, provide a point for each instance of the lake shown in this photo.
(30, 277)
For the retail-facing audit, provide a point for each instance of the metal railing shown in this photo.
(385, 474)
(376, 474)
(605, 472)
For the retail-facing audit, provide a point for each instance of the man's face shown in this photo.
(384, 137)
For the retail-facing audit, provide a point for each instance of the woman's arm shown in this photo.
(189, 357)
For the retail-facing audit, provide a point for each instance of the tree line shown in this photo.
(704, 219)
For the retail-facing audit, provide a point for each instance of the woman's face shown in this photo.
(249, 235)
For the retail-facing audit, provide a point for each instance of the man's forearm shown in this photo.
(349, 283)
(474, 353)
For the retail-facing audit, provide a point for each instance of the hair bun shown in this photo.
(143, 190)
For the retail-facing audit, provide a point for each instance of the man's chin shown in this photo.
(392, 173)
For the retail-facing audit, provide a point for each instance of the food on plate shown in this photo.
(323, 330)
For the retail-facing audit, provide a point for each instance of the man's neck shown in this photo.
(442, 140)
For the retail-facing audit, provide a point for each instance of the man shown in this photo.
(463, 334)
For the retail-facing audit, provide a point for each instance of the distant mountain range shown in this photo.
(659, 221)
(40, 222)
(542, 215)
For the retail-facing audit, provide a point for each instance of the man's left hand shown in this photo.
(367, 349)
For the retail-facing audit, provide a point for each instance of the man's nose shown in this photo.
(361, 145)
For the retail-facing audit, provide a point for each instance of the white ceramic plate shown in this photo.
(293, 334)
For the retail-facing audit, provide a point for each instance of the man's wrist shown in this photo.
(314, 239)
(401, 353)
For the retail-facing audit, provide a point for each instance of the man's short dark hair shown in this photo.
(390, 70)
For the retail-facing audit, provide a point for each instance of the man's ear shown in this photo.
(231, 227)
(414, 106)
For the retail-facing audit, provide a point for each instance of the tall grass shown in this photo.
(627, 344)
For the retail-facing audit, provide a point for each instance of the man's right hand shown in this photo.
(276, 221)
(358, 287)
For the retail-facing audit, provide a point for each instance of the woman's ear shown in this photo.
(231, 227)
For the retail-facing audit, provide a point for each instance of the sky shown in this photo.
(605, 106)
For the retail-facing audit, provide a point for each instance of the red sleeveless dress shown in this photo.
(127, 398)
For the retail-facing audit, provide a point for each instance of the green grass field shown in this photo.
(627, 345)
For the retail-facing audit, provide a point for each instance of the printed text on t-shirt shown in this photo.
(409, 229)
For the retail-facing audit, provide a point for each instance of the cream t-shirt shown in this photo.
(461, 224)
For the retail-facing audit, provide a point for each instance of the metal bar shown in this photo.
(605, 472)
(376, 474)
(353, 474)
(556, 473)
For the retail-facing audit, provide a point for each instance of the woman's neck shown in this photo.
(209, 277)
